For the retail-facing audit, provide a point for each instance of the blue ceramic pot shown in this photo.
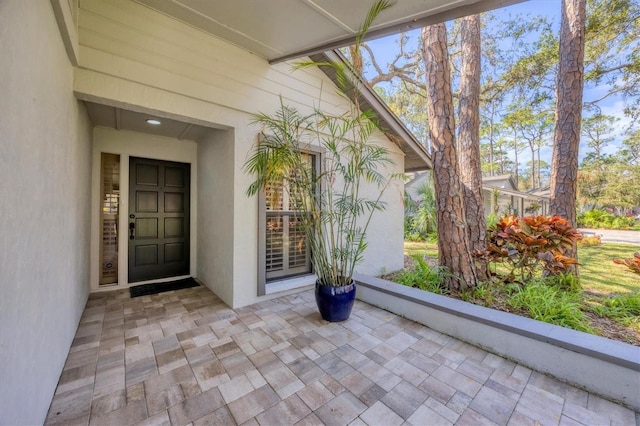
(335, 303)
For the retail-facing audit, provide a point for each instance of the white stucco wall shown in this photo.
(45, 146)
(134, 58)
(385, 235)
(215, 204)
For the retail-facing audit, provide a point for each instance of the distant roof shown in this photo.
(497, 178)
(416, 156)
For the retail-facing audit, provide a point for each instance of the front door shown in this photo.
(158, 219)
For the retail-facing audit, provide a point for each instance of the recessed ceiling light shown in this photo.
(153, 121)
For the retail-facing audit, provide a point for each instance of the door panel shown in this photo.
(158, 219)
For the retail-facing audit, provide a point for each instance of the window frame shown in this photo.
(291, 281)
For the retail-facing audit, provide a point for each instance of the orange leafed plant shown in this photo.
(633, 263)
(531, 242)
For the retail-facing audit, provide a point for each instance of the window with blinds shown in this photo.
(110, 206)
(286, 252)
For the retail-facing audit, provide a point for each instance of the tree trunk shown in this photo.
(566, 138)
(469, 138)
(539, 166)
(533, 164)
(515, 154)
(491, 149)
(453, 242)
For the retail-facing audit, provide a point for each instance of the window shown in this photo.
(110, 194)
(283, 249)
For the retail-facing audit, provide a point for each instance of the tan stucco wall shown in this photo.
(45, 145)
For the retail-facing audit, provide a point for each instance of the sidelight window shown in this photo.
(110, 205)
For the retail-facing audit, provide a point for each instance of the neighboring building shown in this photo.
(511, 200)
(82, 169)
(499, 193)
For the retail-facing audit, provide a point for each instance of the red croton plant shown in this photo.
(633, 264)
(528, 243)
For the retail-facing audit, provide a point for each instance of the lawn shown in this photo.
(599, 274)
(607, 302)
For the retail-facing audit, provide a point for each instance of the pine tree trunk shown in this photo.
(453, 244)
(469, 138)
(566, 138)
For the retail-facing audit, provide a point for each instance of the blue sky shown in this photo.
(385, 49)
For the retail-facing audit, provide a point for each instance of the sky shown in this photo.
(385, 49)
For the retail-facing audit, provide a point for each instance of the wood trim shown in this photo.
(66, 13)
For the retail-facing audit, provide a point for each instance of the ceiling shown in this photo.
(278, 30)
(123, 119)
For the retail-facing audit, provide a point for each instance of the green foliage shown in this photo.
(424, 277)
(491, 220)
(564, 282)
(599, 276)
(623, 308)
(604, 220)
(529, 244)
(632, 263)
(420, 215)
(337, 214)
(546, 302)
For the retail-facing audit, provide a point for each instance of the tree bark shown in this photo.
(453, 243)
(566, 138)
(469, 138)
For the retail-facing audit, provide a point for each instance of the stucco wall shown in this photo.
(45, 145)
(215, 204)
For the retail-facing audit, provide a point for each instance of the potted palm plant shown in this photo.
(334, 200)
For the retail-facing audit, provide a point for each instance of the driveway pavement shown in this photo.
(614, 236)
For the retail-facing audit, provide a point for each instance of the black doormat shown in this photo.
(146, 289)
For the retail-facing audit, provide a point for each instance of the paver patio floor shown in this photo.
(185, 357)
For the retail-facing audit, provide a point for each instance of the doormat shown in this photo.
(147, 289)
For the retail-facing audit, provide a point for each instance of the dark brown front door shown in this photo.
(158, 219)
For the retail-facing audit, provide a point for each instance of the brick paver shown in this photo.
(185, 357)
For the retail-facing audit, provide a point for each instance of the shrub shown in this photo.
(529, 243)
(604, 220)
(632, 263)
(423, 276)
(590, 241)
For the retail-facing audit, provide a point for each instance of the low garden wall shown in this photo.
(602, 366)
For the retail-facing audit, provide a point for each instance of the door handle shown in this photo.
(132, 228)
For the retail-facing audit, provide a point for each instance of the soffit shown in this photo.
(282, 29)
(123, 119)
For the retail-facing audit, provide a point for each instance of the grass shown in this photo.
(426, 248)
(606, 293)
(598, 273)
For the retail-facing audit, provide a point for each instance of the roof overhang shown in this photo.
(278, 30)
